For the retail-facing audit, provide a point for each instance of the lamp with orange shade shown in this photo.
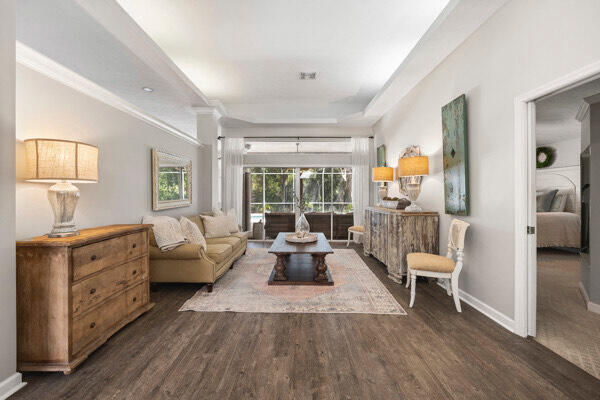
(413, 168)
(383, 174)
(61, 162)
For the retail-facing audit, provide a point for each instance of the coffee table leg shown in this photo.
(321, 268)
(280, 269)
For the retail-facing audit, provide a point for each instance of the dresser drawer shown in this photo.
(91, 291)
(97, 256)
(97, 321)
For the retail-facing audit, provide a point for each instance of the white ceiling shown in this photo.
(555, 115)
(248, 54)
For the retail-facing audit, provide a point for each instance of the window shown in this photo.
(172, 183)
(274, 190)
(327, 189)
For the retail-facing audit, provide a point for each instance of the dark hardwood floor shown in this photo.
(433, 353)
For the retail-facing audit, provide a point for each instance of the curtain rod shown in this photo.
(296, 137)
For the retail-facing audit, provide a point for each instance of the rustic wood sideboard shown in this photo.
(391, 234)
(74, 293)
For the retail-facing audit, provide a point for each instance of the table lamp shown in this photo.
(383, 174)
(61, 162)
(413, 168)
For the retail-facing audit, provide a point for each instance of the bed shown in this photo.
(560, 226)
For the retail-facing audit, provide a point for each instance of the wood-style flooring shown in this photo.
(564, 324)
(433, 353)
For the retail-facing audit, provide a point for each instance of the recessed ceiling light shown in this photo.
(308, 76)
(147, 89)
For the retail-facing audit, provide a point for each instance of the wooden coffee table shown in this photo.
(300, 264)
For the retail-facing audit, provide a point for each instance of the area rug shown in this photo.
(245, 289)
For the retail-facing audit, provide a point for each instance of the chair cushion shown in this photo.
(184, 252)
(357, 228)
(218, 252)
(430, 262)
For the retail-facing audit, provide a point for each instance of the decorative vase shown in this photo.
(302, 227)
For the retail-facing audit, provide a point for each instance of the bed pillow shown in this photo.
(215, 227)
(192, 232)
(544, 200)
(559, 203)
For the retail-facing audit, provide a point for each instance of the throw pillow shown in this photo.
(217, 213)
(559, 203)
(192, 232)
(232, 221)
(167, 231)
(544, 201)
(215, 227)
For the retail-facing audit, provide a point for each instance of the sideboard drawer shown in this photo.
(89, 292)
(97, 256)
(97, 321)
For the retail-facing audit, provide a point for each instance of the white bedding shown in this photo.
(558, 229)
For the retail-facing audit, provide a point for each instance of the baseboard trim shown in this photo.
(490, 312)
(593, 307)
(11, 385)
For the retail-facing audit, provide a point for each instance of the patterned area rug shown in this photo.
(245, 289)
(564, 325)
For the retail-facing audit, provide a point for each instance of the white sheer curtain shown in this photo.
(232, 162)
(361, 171)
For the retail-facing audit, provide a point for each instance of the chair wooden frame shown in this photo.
(456, 244)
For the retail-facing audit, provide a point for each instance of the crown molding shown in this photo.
(30, 58)
(584, 108)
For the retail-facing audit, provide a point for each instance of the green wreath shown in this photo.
(545, 156)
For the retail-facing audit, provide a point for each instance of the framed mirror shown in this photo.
(171, 181)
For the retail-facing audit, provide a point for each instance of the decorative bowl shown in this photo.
(304, 238)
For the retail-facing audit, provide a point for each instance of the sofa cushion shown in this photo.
(242, 235)
(232, 241)
(429, 262)
(218, 252)
(186, 251)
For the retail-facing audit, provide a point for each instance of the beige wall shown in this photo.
(522, 46)
(47, 108)
(8, 346)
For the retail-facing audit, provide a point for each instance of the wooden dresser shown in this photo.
(74, 293)
(391, 234)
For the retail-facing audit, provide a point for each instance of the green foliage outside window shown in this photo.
(172, 183)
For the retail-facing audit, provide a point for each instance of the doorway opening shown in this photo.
(563, 322)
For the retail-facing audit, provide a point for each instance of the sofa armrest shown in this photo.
(184, 252)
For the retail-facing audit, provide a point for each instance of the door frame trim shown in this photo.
(525, 245)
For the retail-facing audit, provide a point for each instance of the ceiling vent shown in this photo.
(308, 76)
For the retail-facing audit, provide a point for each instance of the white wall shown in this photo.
(47, 108)
(8, 342)
(521, 47)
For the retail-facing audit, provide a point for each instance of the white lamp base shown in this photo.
(383, 192)
(63, 198)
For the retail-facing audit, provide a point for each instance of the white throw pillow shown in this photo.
(232, 221)
(215, 227)
(192, 232)
(167, 231)
(217, 213)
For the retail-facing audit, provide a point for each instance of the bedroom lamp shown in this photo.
(383, 174)
(413, 168)
(61, 162)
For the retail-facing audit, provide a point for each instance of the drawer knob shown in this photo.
(93, 257)
(134, 299)
(134, 245)
(134, 272)
(92, 290)
(92, 325)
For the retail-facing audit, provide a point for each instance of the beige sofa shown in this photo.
(190, 263)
